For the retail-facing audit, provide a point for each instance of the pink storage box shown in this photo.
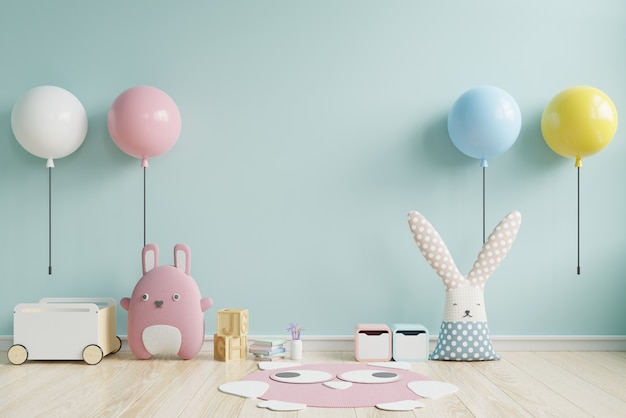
(372, 342)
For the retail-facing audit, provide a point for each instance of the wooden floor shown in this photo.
(522, 384)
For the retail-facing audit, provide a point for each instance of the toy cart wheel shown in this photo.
(92, 354)
(119, 345)
(17, 354)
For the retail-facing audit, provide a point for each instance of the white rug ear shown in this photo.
(408, 405)
(273, 365)
(403, 365)
(337, 384)
(431, 388)
(281, 406)
(245, 388)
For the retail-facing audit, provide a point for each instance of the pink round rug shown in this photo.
(338, 385)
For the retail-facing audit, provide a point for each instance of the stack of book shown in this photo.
(268, 349)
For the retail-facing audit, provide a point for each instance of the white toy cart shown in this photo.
(64, 329)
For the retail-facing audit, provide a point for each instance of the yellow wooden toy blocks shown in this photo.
(226, 348)
(233, 322)
(231, 340)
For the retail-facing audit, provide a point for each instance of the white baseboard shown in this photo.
(558, 342)
(500, 342)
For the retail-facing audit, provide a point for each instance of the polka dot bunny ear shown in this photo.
(434, 250)
(495, 248)
(489, 258)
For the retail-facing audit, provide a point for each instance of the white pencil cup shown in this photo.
(295, 349)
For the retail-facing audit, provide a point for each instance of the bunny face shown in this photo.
(165, 294)
(465, 304)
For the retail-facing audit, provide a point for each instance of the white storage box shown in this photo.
(64, 329)
(410, 342)
(372, 342)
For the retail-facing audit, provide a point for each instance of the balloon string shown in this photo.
(144, 206)
(49, 220)
(578, 220)
(484, 205)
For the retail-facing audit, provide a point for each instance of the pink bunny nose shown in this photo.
(158, 303)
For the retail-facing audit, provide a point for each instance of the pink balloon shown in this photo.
(144, 122)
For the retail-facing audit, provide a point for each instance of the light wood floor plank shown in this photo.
(522, 384)
(528, 391)
(124, 381)
(596, 374)
(482, 397)
(208, 401)
(614, 361)
(575, 389)
(9, 373)
(169, 397)
(16, 399)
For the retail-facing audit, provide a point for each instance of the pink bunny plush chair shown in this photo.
(166, 310)
(464, 334)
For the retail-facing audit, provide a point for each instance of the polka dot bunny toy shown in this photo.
(464, 334)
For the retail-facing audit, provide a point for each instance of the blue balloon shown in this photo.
(484, 122)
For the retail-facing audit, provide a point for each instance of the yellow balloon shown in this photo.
(578, 122)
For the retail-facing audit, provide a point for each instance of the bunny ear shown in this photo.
(495, 249)
(149, 257)
(434, 250)
(182, 258)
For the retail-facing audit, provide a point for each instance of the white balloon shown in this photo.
(49, 122)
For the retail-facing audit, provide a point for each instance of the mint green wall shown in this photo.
(310, 129)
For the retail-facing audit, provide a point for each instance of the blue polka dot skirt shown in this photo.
(464, 341)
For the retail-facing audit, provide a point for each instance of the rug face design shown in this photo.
(338, 386)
